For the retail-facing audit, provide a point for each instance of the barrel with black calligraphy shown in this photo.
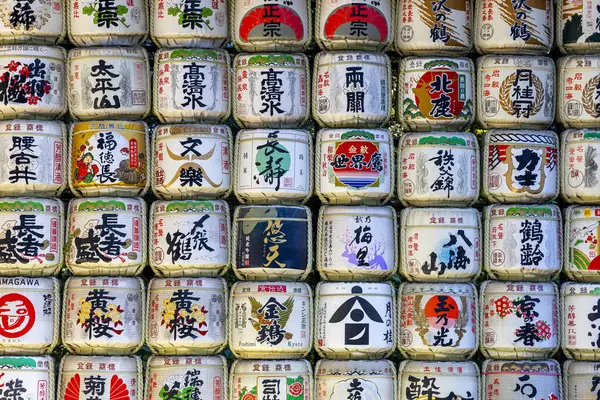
(272, 90)
(102, 23)
(578, 91)
(272, 242)
(189, 238)
(32, 158)
(580, 320)
(33, 82)
(438, 169)
(522, 380)
(354, 166)
(436, 94)
(106, 236)
(270, 25)
(109, 158)
(351, 89)
(437, 321)
(29, 315)
(357, 243)
(454, 380)
(109, 82)
(580, 380)
(581, 247)
(514, 27)
(197, 377)
(440, 244)
(192, 160)
(185, 24)
(100, 378)
(259, 379)
(577, 26)
(103, 315)
(580, 149)
(515, 92)
(434, 28)
(340, 380)
(273, 166)
(270, 320)
(355, 320)
(187, 316)
(522, 242)
(30, 378)
(32, 234)
(32, 21)
(520, 166)
(354, 25)
(191, 85)
(519, 320)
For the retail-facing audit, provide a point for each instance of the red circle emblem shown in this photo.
(17, 315)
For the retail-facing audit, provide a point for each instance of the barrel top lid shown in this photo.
(458, 289)
(120, 364)
(102, 204)
(187, 283)
(275, 367)
(382, 368)
(271, 288)
(358, 289)
(173, 362)
(103, 282)
(456, 369)
(29, 204)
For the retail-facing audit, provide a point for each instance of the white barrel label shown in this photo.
(271, 379)
(579, 177)
(578, 100)
(581, 380)
(36, 20)
(27, 378)
(522, 380)
(354, 380)
(438, 167)
(581, 320)
(191, 85)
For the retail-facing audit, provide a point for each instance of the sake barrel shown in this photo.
(192, 160)
(440, 244)
(520, 166)
(355, 320)
(102, 378)
(193, 25)
(354, 166)
(272, 90)
(103, 315)
(189, 238)
(285, 379)
(514, 27)
(577, 29)
(437, 321)
(270, 25)
(29, 315)
(351, 89)
(522, 242)
(270, 320)
(109, 82)
(32, 82)
(521, 380)
(458, 380)
(33, 22)
(581, 247)
(580, 325)
(187, 316)
(434, 28)
(436, 94)
(578, 91)
(32, 158)
(106, 236)
(348, 25)
(191, 85)
(519, 320)
(438, 169)
(109, 158)
(272, 242)
(578, 176)
(357, 243)
(340, 380)
(198, 377)
(31, 377)
(273, 166)
(107, 22)
(32, 233)
(579, 380)
(515, 92)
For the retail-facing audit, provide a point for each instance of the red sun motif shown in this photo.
(259, 16)
(429, 90)
(17, 315)
(340, 22)
(441, 311)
